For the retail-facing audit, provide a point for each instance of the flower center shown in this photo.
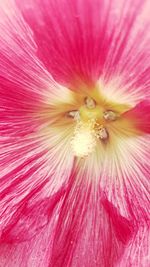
(90, 127)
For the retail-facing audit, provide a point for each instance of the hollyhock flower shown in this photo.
(74, 133)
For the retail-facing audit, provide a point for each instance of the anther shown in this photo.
(74, 114)
(102, 133)
(109, 115)
(90, 103)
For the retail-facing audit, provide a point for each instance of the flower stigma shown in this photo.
(83, 142)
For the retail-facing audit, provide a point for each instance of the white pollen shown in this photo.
(83, 142)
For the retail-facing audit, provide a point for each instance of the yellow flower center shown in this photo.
(90, 127)
(93, 121)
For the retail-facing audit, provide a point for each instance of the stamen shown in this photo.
(102, 133)
(110, 115)
(90, 103)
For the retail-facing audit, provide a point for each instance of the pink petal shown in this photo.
(138, 251)
(30, 160)
(126, 181)
(21, 70)
(123, 227)
(30, 172)
(33, 181)
(65, 32)
(80, 41)
(29, 218)
(76, 226)
(140, 116)
(25, 84)
(85, 233)
(35, 252)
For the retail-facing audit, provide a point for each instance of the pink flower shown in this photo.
(74, 133)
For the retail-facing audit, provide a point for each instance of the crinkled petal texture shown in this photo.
(56, 210)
